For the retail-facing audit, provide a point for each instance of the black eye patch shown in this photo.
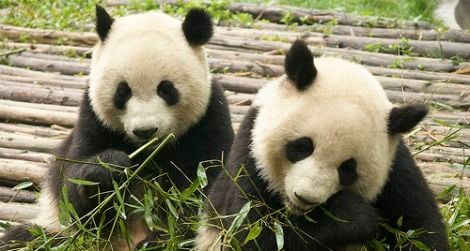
(122, 95)
(347, 172)
(299, 149)
(167, 91)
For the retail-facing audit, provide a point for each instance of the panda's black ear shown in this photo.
(299, 65)
(197, 27)
(103, 22)
(403, 119)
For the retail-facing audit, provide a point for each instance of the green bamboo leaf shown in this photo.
(237, 222)
(83, 182)
(254, 232)
(201, 175)
(23, 185)
(279, 235)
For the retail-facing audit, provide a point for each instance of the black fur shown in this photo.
(103, 22)
(206, 140)
(299, 65)
(299, 149)
(326, 233)
(347, 172)
(403, 119)
(197, 27)
(122, 95)
(167, 91)
(405, 194)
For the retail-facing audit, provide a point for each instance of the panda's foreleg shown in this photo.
(86, 198)
(345, 219)
(407, 195)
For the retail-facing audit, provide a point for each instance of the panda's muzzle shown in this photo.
(145, 133)
(304, 201)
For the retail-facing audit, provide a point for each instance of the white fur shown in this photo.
(345, 113)
(48, 216)
(208, 239)
(143, 50)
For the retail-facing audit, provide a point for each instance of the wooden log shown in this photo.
(247, 85)
(38, 94)
(400, 73)
(440, 49)
(36, 116)
(44, 82)
(67, 68)
(15, 71)
(416, 34)
(25, 142)
(435, 49)
(17, 154)
(276, 14)
(368, 58)
(34, 130)
(50, 49)
(46, 107)
(18, 212)
(7, 194)
(21, 170)
(48, 36)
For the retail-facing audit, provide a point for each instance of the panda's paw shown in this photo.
(353, 214)
(102, 177)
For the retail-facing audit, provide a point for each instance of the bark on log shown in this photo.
(401, 73)
(18, 154)
(439, 49)
(38, 94)
(15, 71)
(276, 14)
(44, 107)
(9, 195)
(48, 36)
(67, 68)
(18, 212)
(21, 170)
(45, 82)
(36, 116)
(50, 49)
(416, 34)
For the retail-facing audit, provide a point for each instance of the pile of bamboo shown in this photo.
(41, 86)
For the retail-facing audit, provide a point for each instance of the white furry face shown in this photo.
(141, 53)
(333, 135)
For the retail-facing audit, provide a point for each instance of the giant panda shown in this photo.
(324, 142)
(149, 77)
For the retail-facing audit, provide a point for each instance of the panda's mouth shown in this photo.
(298, 207)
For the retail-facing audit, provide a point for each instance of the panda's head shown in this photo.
(149, 74)
(326, 126)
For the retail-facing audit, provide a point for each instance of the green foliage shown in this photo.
(401, 48)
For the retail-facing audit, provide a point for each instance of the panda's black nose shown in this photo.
(145, 133)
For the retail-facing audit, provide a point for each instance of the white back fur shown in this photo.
(143, 50)
(345, 113)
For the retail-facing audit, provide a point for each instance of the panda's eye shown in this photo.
(347, 172)
(167, 91)
(122, 95)
(299, 149)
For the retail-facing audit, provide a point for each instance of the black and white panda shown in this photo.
(323, 138)
(149, 77)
